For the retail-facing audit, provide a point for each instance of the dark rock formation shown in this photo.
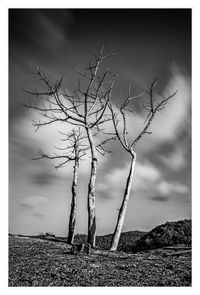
(168, 234)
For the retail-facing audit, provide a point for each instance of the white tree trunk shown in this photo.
(122, 210)
(91, 193)
(72, 218)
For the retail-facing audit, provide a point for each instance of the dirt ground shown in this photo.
(36, 262)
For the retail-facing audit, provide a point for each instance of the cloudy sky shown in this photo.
(148, 43)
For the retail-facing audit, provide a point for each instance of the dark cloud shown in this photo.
(35, 38)
(27, 205)
(160, 198)
(28, 26)
(104, 196)
(60, 39)
(16, 148)
(43, 178)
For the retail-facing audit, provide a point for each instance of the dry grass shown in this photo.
(36, 262)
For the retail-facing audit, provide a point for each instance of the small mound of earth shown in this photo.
(168, 234)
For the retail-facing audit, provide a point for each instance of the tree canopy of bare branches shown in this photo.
(82, 105)
(73, 151)
(152, 107)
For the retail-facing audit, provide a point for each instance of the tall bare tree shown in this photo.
(82, 106)
(73, 152)
(152, 107)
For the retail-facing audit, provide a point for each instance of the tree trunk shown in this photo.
(91, 193)
(122, 211)
(72, 218)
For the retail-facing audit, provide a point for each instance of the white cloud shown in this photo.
(176, 160)
(145, 177)
(47, 138)
(180, 188)
(146, 174)
(147, 171)
(167, 188)
(147, 180)
(168, 123)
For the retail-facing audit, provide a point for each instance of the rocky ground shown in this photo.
(37, 262)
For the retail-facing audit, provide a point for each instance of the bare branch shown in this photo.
(152, 112)
(75, 149)
(38, 93)
(150, 107)
(97, 90)
(46, 156)
(115, 124)
(108, 94)
(44, 109)
(83, 74)
(164, 101)
(38, 125)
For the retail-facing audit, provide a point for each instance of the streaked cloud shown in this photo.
(34, 206)
(34, 202)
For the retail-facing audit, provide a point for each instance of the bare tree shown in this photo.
(82, 106)
(73, 152)
(152, 107)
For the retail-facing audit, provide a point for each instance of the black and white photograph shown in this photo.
(99, 147)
